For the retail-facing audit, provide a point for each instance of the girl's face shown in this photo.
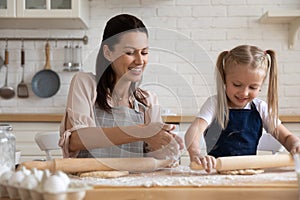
(129, 57)
(242, 84)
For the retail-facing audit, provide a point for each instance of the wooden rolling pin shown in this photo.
(73, 165)
(249, 162)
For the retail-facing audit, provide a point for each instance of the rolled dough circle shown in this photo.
(104, 174)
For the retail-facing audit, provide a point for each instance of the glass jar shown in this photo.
(7, 146)
(76, 58)
(68, 58)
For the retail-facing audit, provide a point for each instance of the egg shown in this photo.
(54, 184)
(16, 178)
(29, 182)
(37, 173)
(25, 171)
(64, 176)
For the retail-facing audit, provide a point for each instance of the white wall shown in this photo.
(185, 38)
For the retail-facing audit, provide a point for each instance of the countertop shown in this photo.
(185, 184)
(56, 118)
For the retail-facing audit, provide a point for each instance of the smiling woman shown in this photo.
(128, 60)
(108, 115)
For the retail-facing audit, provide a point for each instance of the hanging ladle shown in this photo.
(6, 92)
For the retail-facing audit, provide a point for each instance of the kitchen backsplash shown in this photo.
(185, 38)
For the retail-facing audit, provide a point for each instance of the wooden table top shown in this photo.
(183, 183)
(180, 184)
(272, 184)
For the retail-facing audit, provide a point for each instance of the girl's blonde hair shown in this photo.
(254, 58)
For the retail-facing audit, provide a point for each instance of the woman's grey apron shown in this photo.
(120, 116)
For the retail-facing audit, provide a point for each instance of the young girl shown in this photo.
(240, 115)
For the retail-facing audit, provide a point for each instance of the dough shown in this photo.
(195, 166)
(104, 174)
(242, 172)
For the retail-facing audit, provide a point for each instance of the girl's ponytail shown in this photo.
(222, 111)
(272, 98)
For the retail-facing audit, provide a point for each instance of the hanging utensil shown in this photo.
(22, 88)
(46, 82)
(6, 92)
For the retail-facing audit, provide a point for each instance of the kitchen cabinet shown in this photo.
(44, 14)
(291, 17)
(8, 8)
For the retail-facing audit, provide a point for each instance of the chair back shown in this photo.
(48, 141)
(268, 143)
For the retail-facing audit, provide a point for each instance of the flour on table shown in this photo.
(184, 176)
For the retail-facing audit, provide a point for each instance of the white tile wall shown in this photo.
(185, 38)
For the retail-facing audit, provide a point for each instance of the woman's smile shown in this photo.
(135, 70)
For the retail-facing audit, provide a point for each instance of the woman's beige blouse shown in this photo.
(79, 111)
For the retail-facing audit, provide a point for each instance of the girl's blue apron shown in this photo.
(240, 137)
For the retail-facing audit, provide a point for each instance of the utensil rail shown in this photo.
(84, 39)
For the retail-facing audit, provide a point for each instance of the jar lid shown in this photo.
(6, 127)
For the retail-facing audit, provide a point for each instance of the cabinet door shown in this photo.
(47, 8)
(8, 8)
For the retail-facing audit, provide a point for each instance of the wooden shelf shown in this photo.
(57, 117)
(290, 118)
(28, 117)
(291, 17)
(178, 119)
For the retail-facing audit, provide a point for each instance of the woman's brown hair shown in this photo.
(105, 76)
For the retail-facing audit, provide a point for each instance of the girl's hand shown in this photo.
(207, 162)
(295, 148)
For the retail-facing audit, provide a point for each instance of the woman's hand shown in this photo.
(207, 162)
(159, 135)
(164, 144)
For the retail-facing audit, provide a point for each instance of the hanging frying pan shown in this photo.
(46, 82)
